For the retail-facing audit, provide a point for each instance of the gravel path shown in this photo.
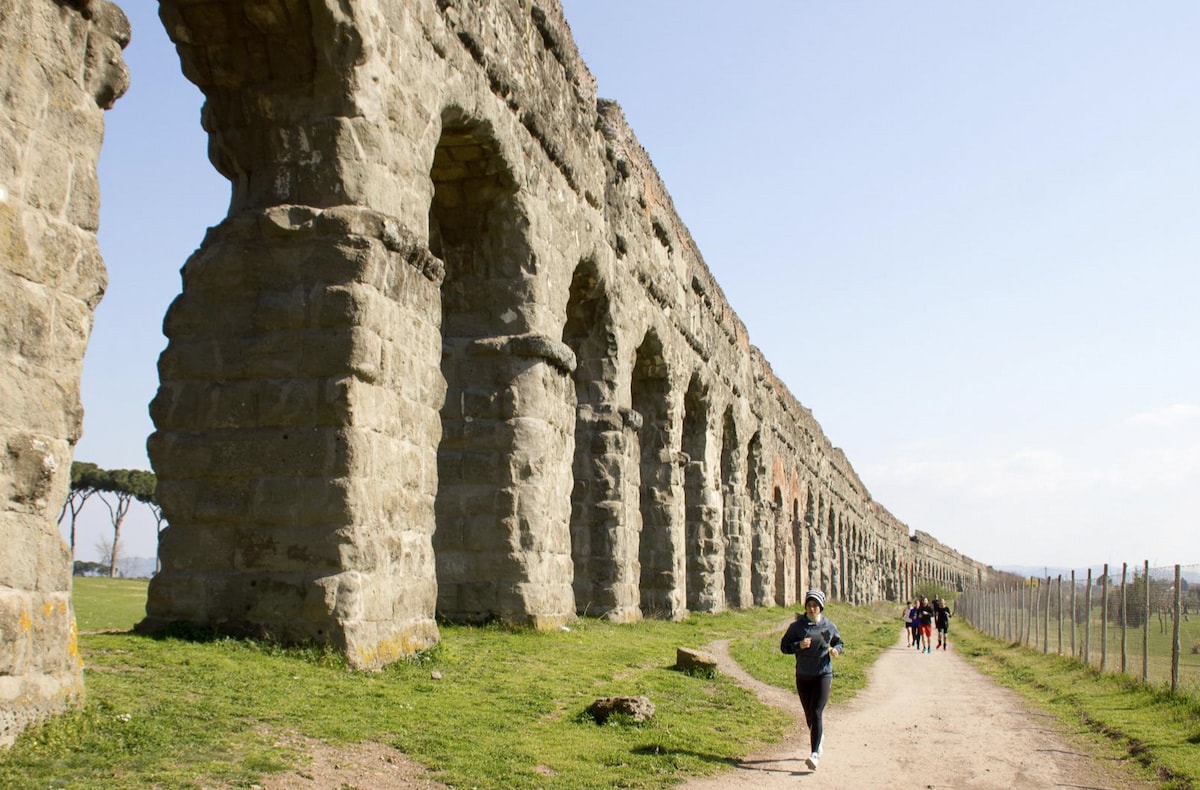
(924, 721)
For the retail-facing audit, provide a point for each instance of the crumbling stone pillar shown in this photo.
(61, 68)
(502, 542)
(604, 534)
(295, 426)
(661, 544)
(704, 543)
(296, 422)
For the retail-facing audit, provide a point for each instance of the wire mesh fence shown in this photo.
(1137, 620)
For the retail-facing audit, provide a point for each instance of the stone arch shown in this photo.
(650, 396)
(474, 228)
(837, 552)
(734, 521)
(810, 554)
(797, 526)
(703, 553)
(600, 530)
(848, 557)
(780, 537)
(501, 506)
(762, 543)
(826, 550)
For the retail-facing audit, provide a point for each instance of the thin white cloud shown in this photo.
(1156, 469)
(1167, 416)
(1065, 472)
(1018, 472)
(1086, 496)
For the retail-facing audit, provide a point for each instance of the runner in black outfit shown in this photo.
(941, 619)
(814, 640)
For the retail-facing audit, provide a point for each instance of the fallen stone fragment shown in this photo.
(639, 709)
(695, 661)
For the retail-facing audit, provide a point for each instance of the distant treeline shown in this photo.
(118, 489)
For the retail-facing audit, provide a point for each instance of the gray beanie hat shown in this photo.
(815, 595)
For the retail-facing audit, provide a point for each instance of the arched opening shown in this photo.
(650, 390)
(700, 551)
(850, 559)
(798, 547)
(597, 518)
(475, 228)
(734, 524)
(763, 521)
(778, 538)
(819, 545)
(835, 554)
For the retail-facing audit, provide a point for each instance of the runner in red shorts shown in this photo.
(925, 614)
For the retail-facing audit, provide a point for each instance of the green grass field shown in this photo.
(509, 709)
(108, 604)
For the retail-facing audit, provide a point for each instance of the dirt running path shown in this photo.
(967, 734)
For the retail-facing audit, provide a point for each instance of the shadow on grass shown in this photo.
(656, 750)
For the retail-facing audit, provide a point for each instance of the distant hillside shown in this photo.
(136, 567)
(127, 568)
(1190, 573)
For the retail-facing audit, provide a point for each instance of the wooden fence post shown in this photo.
(1060, 613)
(1104, 618)
(1146, 623)
(1074, 654)
(1124, 618)
(1175, 647)
(1046, 621)
(1035, 613)
(1087, 620)
(1021, 613)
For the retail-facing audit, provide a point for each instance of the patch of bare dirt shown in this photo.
(361, 766)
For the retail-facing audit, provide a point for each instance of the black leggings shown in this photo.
(814, 694)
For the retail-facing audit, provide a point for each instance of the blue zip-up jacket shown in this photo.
(815, 660)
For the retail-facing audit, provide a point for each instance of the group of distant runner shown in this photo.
(922, 618)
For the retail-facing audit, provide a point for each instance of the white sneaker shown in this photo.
(812, 761)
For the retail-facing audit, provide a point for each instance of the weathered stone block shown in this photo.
(638, 708)
(690, 660)
(291, 501)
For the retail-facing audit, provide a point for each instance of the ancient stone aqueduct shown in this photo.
(452, 353)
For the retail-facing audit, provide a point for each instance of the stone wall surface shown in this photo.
(61, 68)
(453, 354)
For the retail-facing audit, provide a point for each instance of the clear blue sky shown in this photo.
(966, 235)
